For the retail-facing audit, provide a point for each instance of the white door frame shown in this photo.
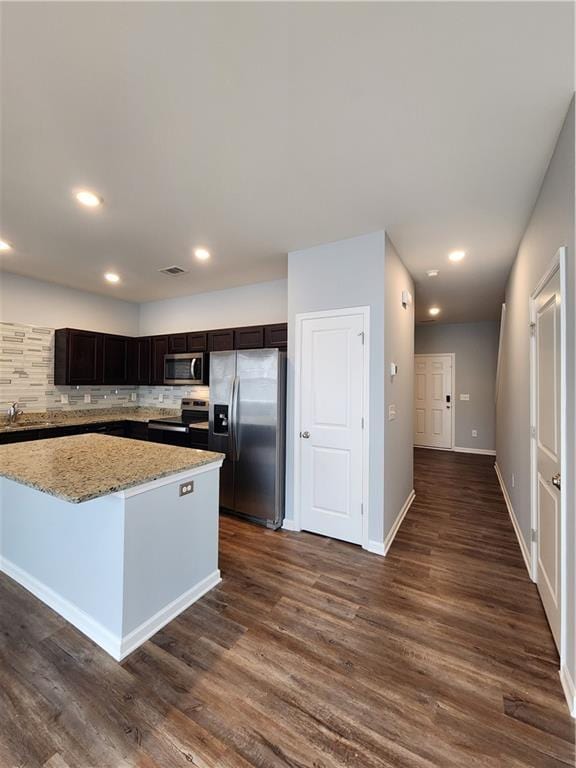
(558, 263)
(452, 402)
(365, 311)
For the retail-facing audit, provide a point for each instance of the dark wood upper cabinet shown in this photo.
(77, 357)
(276, 335)
(115, 359)
(249, 338)
(220, 341)
(159, 348)
(197, 342)
(139, 361)
(177, 342)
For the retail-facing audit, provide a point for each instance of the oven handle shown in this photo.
(167, 427)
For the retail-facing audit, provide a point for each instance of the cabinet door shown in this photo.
(177, 343)
(139, 361)
(197, 342)
(220, 341)
(115, 356)
(276, 335)
(159, 348)
(84, 357)
(249, 338)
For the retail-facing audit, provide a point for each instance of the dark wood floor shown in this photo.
(312, 653)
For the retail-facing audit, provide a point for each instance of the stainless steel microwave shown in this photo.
(184, 368)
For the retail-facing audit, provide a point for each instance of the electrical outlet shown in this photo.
(474, 433)
(186, 488)
(133, 396)
(64, 399)
(391, 412)
(87, 397)
(160, 398)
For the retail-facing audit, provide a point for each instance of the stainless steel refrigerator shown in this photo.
(247, 423)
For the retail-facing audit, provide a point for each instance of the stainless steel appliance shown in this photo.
(184, 368)
(247, 424)
(189, 429)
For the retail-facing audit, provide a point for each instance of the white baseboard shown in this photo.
(134, 639)
(103, 637)
(116, 646)
(289, 525)
(523, 546)
(569, 690)
(398, 522)
(376, 547)
(481, 451)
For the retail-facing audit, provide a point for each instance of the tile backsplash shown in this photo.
(27, 376)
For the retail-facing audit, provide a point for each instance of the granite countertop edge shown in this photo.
(109, 491)
(58, 420)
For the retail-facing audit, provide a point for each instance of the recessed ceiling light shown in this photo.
(457, 255)
(89, 199)
(434, 311)
(112, 277)
(202, 254)
(432, 272)
(4, 246)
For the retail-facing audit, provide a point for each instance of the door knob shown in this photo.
(556, 480)
(305, 435)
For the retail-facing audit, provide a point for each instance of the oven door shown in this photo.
(183, 368)
(169, 434)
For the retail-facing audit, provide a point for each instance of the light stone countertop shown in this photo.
(83, 467)
(51, 419)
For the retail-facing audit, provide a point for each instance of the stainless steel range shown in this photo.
(188, 429)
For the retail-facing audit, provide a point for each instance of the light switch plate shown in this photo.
(464, 397)
(186, 488)
(87, 397)
(474, 433)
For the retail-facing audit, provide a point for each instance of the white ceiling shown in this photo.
(256, 129)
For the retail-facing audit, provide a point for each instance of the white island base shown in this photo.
(118, 567)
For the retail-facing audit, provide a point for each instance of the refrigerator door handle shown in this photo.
(234, 418)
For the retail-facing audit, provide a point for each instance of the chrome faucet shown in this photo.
(13, 413)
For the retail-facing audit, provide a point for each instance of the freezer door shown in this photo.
(221, 430)
(257, 434)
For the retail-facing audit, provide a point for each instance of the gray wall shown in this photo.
(550, 227)
(348, 273)
(476, 348)
(399, 389)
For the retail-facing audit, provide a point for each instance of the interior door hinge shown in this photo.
(532, 431)
(532, 329)
(362, 422)
(362, 508)
(533, 534)
(361, 334)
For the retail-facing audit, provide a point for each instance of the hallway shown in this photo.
(312, 653)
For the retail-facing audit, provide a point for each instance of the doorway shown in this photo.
(548, 443)
(434, 401)
(331, 423)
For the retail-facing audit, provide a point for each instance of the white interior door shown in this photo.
(331, 424)
(433, 406)
(548, 441)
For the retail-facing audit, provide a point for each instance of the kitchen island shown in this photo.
(118, 536)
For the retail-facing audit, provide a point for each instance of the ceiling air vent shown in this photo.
(174, 271)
